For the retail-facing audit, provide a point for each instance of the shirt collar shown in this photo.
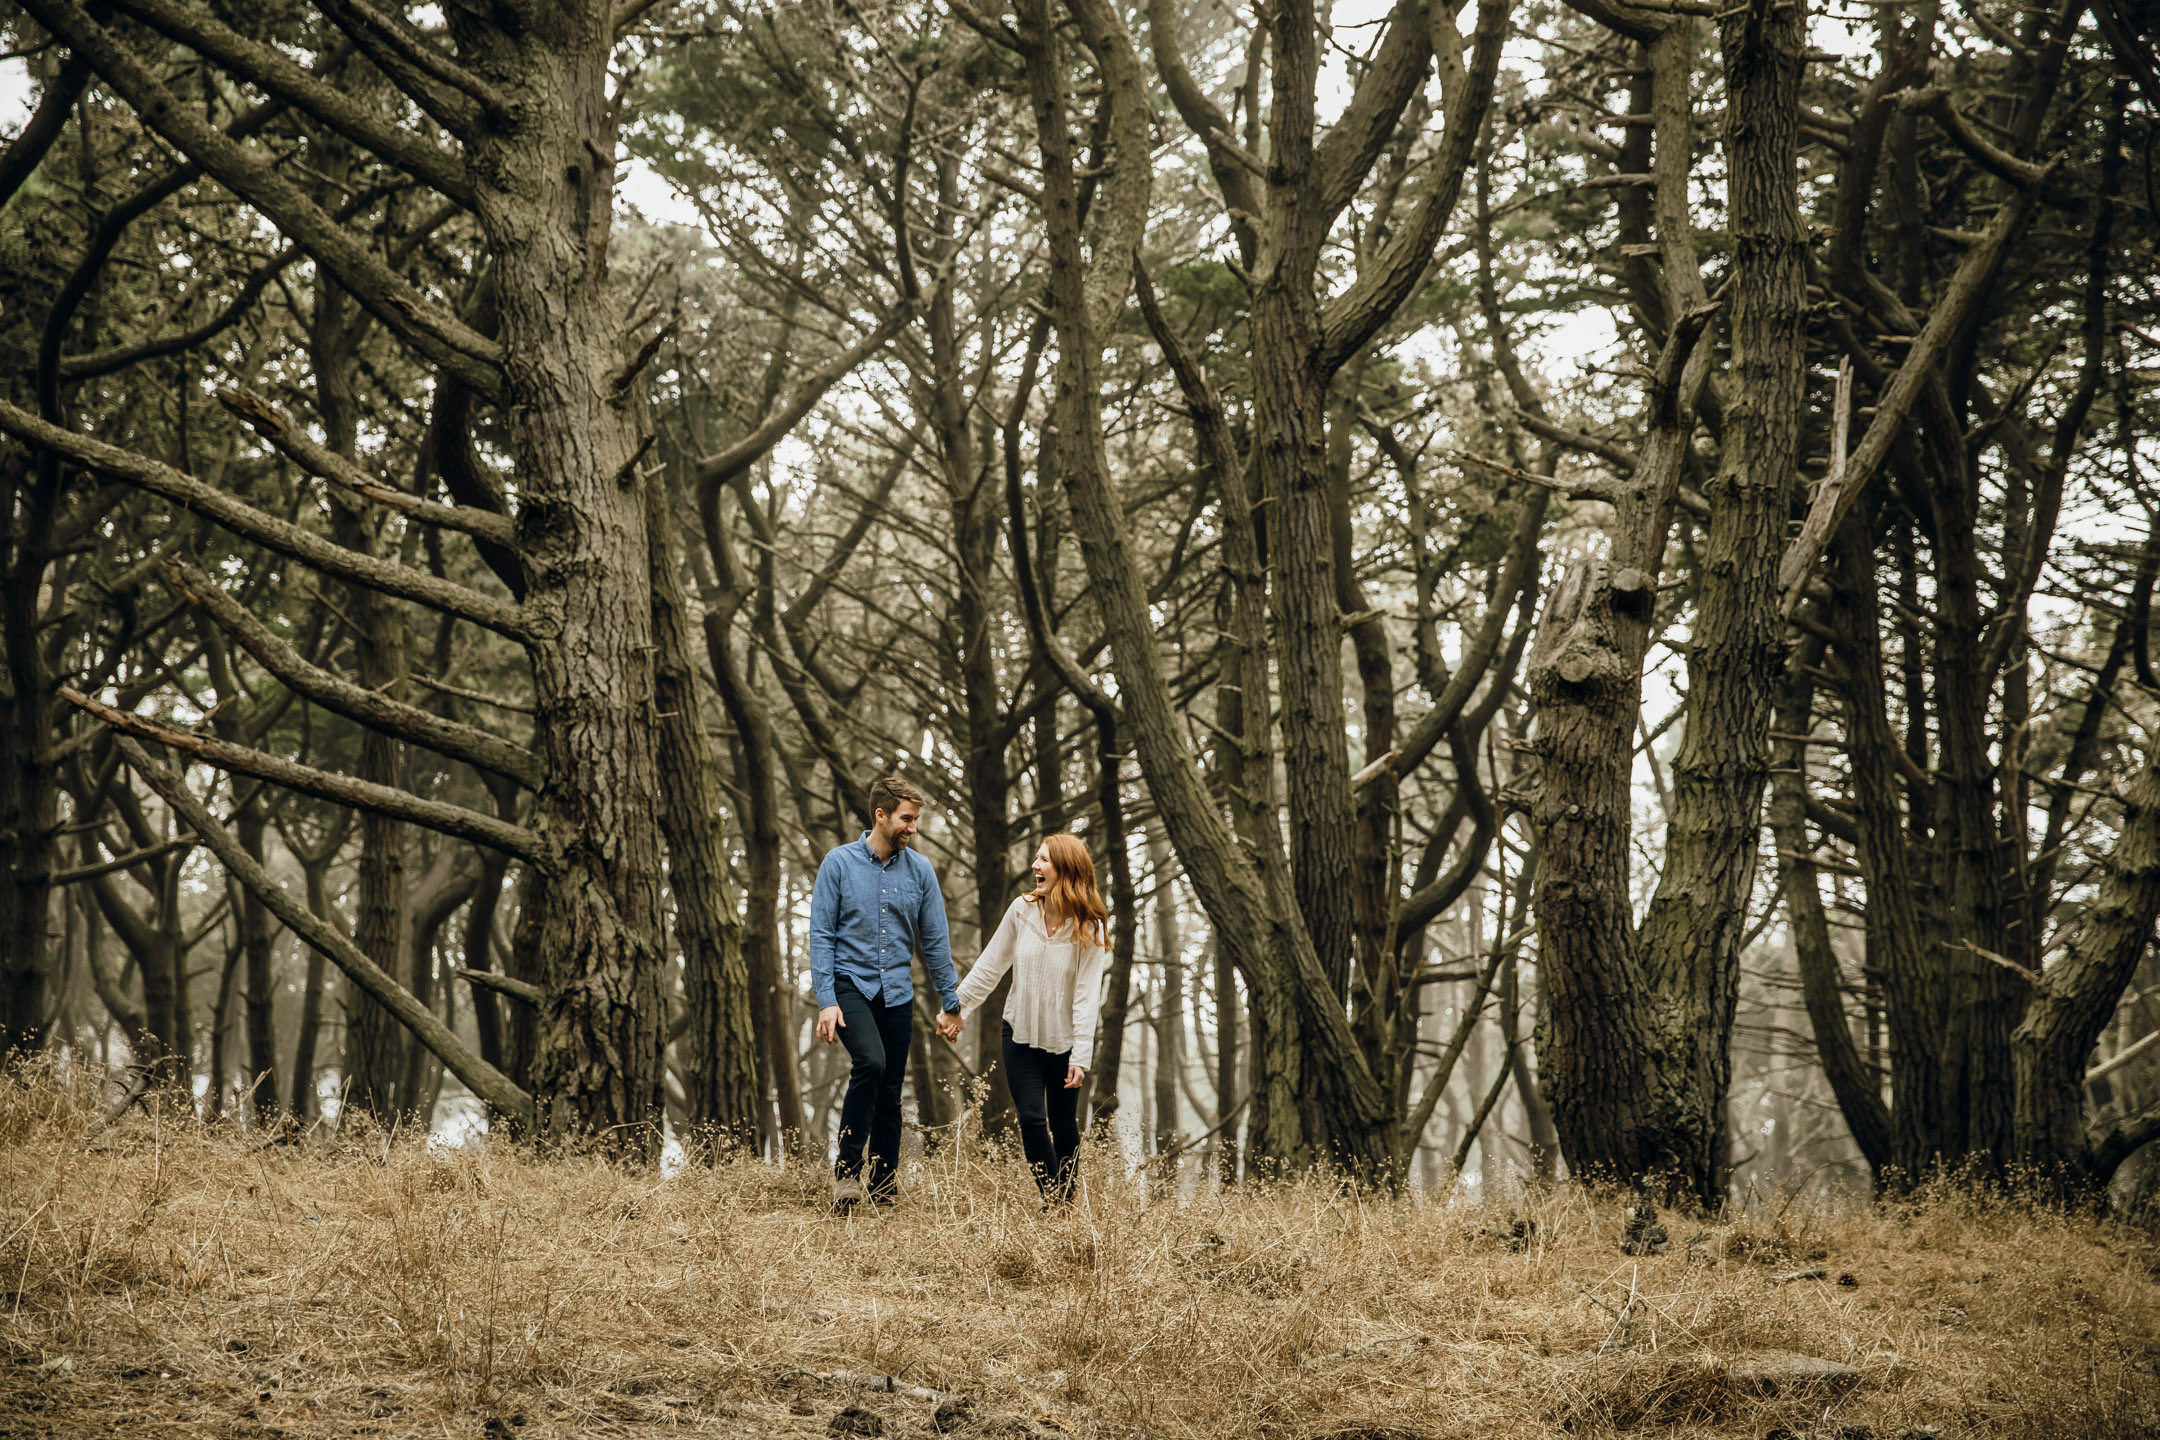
(871, 851)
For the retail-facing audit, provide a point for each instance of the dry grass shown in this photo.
(161, 1278)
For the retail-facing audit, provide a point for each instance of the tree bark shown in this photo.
(1597, 1035)
(374, 1041)
(1124, 927)
(302, 1104)
(2075, 998)
(720, 1071)
(1691, 933)
(1227, 1028)
(435, 899)
(29, 790)
(547, 212)
(1170, 1005)
(1857, 1088)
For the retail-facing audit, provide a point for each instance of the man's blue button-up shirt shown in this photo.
(869, 918)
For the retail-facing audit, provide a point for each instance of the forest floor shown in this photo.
(170, 1279)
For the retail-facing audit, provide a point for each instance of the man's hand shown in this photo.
(948, 1025)
(1074, 1077)
(829, 1024)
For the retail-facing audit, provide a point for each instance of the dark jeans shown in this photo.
(876, 1036)
(1049, 1114)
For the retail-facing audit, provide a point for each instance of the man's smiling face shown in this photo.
(896, 827)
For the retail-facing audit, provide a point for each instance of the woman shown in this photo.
(1054, 942)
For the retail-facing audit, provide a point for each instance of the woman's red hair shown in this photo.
(1071, 896)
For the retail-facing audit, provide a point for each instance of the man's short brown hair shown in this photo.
(889, 792)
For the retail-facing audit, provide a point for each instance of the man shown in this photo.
(875, 907)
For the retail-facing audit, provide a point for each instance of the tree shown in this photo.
(517, 129)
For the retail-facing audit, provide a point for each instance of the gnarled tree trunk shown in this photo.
(547, 155)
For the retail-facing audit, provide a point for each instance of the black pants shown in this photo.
(1049, 1114)
(877, 1037)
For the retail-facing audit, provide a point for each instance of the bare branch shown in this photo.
(268, 68)
(441, 338)
(1234, 170)
(2101, 1071)
(80, 873)
(1354, 317)
(716, 470)
(356, 702)
(1605, 490)
(43, 127)
(1934, 102)
(1610, 451)
(502, 984)
(1833, 502)
(1117, 216)
(428, 1028)
(1345, 155)
(342, 789)
(1626, 20)
(266, 530)
(105, 362)
(390, 37)
(290, 440)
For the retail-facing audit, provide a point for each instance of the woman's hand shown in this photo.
(1074, 1076)
(948, 1025)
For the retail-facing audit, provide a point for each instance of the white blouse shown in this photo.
(1057, 983)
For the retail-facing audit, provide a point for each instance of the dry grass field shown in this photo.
(162, 1278)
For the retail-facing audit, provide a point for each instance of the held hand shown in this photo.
(1074, 1077)
(948, 1026)
(829, 1024)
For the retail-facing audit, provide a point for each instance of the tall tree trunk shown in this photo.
(218, 1095)
(375, 1042)
(1596, 1033)
(758, 764)
(30, 493)
(1170, 1006)
(1896, 929)
(1228, 1012)
(1322, 1104)
(1856, 1087)
(1290, 437)
(478, 947)
(720, 1070)
(547, 212)
(302, 1105)
(161, 1039)
(521, 1037)
(1691, 933)
(1124, 928)
(1049, 765)
(1635, 1035)
(990, 827)
(1376, 874)
(29, 793)
(259, 941)
(435, 899)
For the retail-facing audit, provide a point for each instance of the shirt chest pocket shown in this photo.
(898, 898)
